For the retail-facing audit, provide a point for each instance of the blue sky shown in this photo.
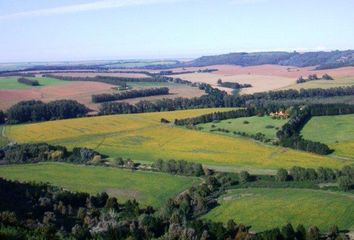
(52, 30)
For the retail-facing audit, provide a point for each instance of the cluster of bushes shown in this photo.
(41, 152)
(34, 111)
(233, 85)
(217, 116)
(106, 97)
(179, 167)
(28, 81)
(344, 177)
(313, 77)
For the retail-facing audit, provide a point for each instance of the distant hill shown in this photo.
(323, 60)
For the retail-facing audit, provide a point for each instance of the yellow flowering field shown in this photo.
(143, 138)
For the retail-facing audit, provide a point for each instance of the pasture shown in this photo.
(11, 82)
(251, 125)
(143, 138)
(149, 188)
(336, 131)
(268, 208)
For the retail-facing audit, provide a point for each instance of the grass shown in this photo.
(269, 208)
(255, 125)
(336, 131)
(149, 188)
(11, 82)
(344, 81)
(143, 138)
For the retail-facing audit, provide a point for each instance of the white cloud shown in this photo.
(93, 6)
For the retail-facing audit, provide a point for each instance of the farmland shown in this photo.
(11, 82)
(143, 138)
(149, 188)
(336, 131)
(250, 125)
(12, 92)
(269, 77)
(268, 208)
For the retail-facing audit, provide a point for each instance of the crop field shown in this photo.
(149, 188)
(336, 131)
(11, 82)
(143, 138)
(94, 74)
(337, 82)
(12, 92)
(269, 77)
(268, 208)
(251, 125)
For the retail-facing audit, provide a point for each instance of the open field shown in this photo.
(3, 139)
(336, 131)
(94, 74)
(255, 125)
(11, 82)
(143, 138)
(337, 82)
(149, 188)
(269, 77)
(268, 208)
(80, 91)
(12, 92)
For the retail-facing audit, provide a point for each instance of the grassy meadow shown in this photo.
(268, 208)
(11, 82)
(149, 188)
(343, 81)
(143, 138)
(336, 131)
(253, 125)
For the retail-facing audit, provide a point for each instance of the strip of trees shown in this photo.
(106, 97)
(313, 77)
(42, 152)
(233, 85)
(28, 81)
(34, 111)
(179, 167)
(344, 177)
(216, 116)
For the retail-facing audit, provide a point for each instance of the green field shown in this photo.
(344, 81)
(143, 138)
(269, 208)
(336, 131)
(11, 82)
(255, 125)
(149, 188)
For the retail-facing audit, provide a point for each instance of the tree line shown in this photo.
(28, 81)
(106, 97)
(344, 177)
(42, 152)
(313, 77)
(34, 111)
(179, 167)
(216, 116)
(233, 85)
